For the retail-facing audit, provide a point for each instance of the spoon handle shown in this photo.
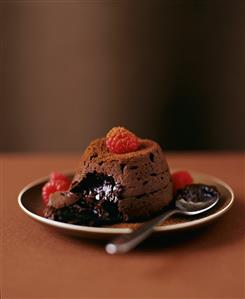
(125, 243)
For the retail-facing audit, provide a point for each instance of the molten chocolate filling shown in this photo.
(98, 202)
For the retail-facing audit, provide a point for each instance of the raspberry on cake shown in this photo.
(120, 141)
(120, 178)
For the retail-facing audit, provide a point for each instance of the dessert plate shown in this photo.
(31, 203)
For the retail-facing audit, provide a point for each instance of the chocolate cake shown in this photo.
(111, 187)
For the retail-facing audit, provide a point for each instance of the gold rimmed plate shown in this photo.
(31, 204)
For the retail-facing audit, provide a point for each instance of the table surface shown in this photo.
(37, 262)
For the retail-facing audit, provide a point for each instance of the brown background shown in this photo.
(169, 70)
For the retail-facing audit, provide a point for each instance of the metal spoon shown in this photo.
(125, 243)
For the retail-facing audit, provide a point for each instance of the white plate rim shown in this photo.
(115, 230)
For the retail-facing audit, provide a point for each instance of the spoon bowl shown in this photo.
(196, 198)
(194, 208)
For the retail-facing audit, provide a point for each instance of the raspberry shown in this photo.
(53, 186)
(54, 176)
(119, 140)
(181, 179)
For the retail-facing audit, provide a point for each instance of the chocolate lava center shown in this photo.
(99, 194)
